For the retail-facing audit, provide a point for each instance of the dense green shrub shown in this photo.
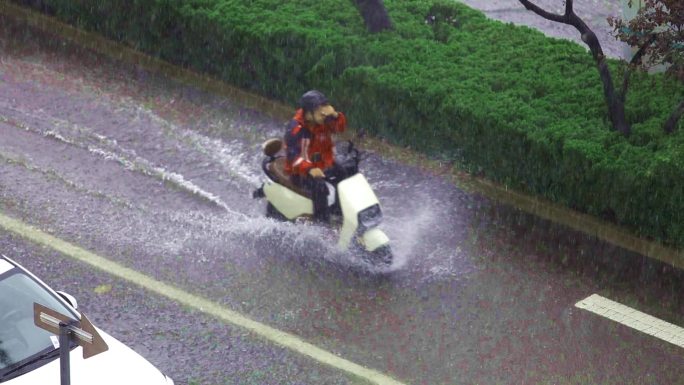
(524, 109)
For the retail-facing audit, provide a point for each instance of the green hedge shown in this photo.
(505, 100)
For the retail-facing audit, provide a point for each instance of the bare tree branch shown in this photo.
(545, 14)
(616, 106)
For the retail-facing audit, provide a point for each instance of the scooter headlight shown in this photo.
(370, 217)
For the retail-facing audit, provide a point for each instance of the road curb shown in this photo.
(537, 206)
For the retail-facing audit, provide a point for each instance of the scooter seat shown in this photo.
(277, 169)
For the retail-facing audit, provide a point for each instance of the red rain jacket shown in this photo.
(311, 147)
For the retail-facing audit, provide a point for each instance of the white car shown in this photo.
(29, 355)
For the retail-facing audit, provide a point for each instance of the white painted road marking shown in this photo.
(633, 318)
(206, 306)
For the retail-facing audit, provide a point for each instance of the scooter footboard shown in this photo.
(288, 202)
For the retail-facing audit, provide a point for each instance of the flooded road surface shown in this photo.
(158, 176)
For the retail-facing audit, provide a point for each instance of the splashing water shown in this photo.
(126, 157)
(232, 155)
(145, 166)
(407, 230)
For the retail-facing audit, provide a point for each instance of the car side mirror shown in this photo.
(70, 299)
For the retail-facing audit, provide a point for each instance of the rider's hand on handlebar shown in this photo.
(317, 173)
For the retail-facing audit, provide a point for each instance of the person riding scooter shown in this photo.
(299, 171)
(310, 148)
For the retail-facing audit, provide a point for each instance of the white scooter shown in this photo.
(354, 202)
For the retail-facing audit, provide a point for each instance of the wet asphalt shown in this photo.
(158, 176)
(185, 344)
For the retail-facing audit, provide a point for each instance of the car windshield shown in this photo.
(20, 339)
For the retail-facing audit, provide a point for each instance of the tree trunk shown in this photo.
(671, 123)
(374, 15)
(616, 105)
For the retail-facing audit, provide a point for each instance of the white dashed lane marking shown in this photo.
(633, 318)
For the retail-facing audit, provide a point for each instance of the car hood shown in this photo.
(118, 365)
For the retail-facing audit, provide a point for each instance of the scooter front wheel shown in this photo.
(382, 256)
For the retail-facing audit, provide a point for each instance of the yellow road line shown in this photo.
(203, 305)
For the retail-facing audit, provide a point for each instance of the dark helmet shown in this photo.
(312, 100)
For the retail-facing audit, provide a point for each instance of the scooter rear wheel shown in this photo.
(273, 213)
